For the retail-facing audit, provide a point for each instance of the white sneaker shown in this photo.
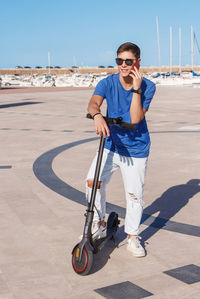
(135, 247)
(98, 231)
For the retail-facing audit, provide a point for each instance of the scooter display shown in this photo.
(82, 253)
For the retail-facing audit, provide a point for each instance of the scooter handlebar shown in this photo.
(116, 121)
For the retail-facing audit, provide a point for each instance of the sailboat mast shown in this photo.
(192, 48)
(49, 62)
(180, 50)
(158, 42)
(170, 31)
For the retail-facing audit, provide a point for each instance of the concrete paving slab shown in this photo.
(42, 208)
(123, 290)
(189, 273)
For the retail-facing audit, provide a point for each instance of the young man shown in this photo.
(128, 95)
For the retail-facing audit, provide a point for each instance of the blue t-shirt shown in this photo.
(125, 141)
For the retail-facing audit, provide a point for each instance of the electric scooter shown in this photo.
(82, 253)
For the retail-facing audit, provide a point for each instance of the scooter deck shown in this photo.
(98, 244)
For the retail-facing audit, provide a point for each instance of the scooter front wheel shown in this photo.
(83, 266)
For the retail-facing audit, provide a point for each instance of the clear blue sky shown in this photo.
(92, 30)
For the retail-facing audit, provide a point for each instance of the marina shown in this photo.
(77, 79)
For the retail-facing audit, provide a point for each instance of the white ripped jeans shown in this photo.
(133, 173)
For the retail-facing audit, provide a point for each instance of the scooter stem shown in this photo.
(90, 210)
(96, 175)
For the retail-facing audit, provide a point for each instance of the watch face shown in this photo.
(139, 90)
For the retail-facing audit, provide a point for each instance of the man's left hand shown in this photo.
(137, 78)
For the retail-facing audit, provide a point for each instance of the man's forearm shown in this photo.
(136, 110)
(93, 108)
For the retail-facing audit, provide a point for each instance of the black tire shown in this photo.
(113, 221)
(83, 267)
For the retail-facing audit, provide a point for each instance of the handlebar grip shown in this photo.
(116, 121)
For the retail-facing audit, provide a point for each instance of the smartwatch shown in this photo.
(139, 90)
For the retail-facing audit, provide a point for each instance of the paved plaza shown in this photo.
(47, 145)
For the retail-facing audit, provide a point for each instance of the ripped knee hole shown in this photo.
(133, 197)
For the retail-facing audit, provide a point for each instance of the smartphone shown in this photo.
(137, 64)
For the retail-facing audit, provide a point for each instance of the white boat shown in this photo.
(10, 80)
(63, 81)
(43, 80)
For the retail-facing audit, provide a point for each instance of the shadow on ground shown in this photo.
(18, 104)
(102, 257)
(168, 205)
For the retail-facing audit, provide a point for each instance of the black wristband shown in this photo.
(139, 90)
(96, 114)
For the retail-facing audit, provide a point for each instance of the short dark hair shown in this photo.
(129, 47)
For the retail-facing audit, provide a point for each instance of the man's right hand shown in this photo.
(100, 125)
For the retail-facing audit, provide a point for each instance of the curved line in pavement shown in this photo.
(42, 169)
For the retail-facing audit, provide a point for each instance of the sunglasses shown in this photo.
(129, 62)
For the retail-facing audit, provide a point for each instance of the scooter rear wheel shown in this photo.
(83, 266)
(113, 221)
